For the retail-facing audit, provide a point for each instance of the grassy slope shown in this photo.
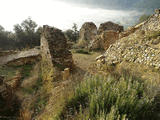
(116, 97)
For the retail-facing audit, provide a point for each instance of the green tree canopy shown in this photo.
(27, 33)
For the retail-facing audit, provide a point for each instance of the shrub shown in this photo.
(111, 98)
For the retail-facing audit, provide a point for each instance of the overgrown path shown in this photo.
(84, 61)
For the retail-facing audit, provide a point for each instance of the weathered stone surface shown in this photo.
(130, 30)
(110, 26)
(8, 98)
(100, 57)
(20, 58)
(104, 40)
(66, 73)
(87, 33)
(5, 53)
(55, 55)
(153, 23)
(141, 46)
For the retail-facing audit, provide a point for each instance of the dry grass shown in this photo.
(25, 115)
(61, 92)
(149, 78)
(29, 82)
(85, 60)
(64, 90)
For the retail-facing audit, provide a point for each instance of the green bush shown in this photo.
(111, 98)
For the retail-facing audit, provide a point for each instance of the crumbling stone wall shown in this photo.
(108, 33)
(21, 57)
(110, 26)
(55, 55)
(109, 37)
(153, 23)
(56, 59)
(142, 46)
(104, 40)
(9, 103)
(87, 34)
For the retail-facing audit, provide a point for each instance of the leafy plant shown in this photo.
(111, 98)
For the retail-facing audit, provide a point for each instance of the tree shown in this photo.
(29, 25)
(69, 34)
(75, 32)
(27, 34)
(6, 39)
(72, 34)
(74, 28)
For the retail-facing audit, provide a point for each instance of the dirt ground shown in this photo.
(85, 60)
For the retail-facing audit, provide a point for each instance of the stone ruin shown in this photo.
(20, 57)
(8, 100)
(108, 33)
(55, 54)
(104, 40)
(142, 46)
(56, 66)
(110, 26)
(87, 34)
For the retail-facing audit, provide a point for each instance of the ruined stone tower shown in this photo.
(55, 55)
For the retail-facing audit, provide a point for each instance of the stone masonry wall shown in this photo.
(142, 46)
(55, 55)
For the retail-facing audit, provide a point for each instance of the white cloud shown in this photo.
(54, 13)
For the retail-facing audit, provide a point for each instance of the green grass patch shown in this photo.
(26, 70)
(10, 71)
(40, 102)
(122, 97)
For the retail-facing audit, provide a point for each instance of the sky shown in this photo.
(59, 13)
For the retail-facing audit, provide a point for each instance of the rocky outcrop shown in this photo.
(87, 34)
(21, 58)
(110, 26)
(55, 55)
(130, 30)
(141, 46)
(104, 40)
